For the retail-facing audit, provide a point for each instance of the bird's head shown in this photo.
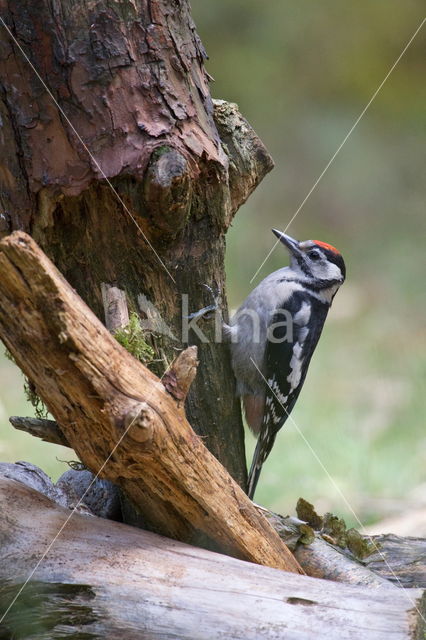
(314, 260)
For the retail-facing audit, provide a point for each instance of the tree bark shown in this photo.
(166, 589)
(119, 417)
(400, 560)
(122, 174)
(46, 430)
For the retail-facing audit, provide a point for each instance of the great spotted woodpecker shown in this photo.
(274, 334)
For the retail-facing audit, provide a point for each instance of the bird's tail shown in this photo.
(263, 448)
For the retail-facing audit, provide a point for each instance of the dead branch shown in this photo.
(47, 430)
(111, 408)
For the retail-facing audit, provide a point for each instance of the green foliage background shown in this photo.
(301, 74)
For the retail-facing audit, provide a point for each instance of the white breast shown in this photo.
(249, 325)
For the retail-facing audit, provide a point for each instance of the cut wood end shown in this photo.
(178, 379)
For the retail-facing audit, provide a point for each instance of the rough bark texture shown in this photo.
(401, 560)
(118, 416)
(124, 179)
(166, 589)
(47, 430)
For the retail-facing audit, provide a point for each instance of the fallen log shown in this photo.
(317, 557)
(111, 580)
(119, 417)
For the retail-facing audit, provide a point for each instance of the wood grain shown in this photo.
(135, 584)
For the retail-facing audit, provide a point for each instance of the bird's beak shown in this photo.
(289, 242)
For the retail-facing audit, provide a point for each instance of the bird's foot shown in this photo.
(206, 313)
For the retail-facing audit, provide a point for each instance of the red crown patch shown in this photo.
(327, 246)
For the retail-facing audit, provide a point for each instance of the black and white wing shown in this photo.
(294, 334)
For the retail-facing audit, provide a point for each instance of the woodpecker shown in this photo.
(274, 334)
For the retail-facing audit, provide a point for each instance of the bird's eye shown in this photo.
(314, 255)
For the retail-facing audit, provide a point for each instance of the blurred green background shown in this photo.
(301, 74)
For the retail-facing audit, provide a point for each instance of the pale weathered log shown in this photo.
(118, 416)
(166, 589)
(399, 561)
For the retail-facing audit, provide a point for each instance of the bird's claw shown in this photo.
(205, 312)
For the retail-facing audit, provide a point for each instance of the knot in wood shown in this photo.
(139, 423)
(169, 169)
(167, 190)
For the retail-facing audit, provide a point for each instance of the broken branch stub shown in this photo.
(178, 379)
(47, 430)
(115, 307)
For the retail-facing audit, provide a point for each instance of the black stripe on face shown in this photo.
(321, 284)
(336, 259)
(302, 264)
(313, 286)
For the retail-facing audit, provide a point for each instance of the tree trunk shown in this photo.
(112, 580)
(125, 173)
